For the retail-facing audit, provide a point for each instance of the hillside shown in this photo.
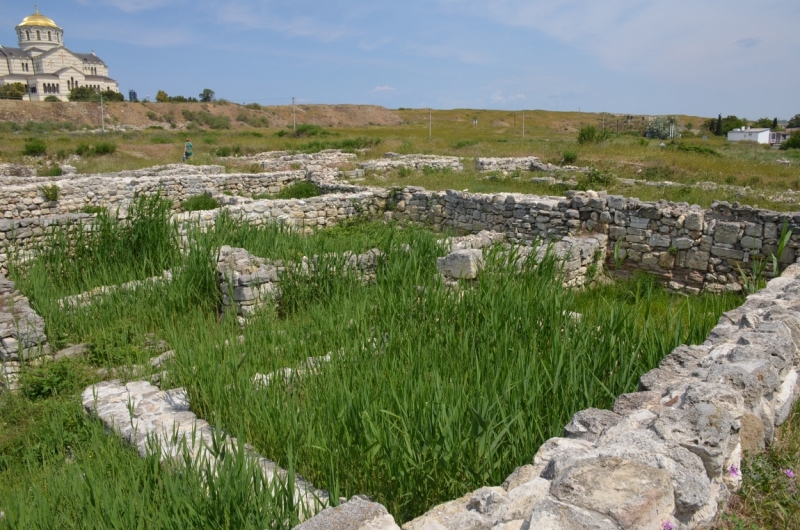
(147, 114)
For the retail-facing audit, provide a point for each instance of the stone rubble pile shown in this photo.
(16, 170)
(248, 282)
(143, 414)
(524, 163)
(668, 455)
(22, 334)
(417, 162)
(284, 161)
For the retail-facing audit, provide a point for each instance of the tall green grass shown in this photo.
(430, 392)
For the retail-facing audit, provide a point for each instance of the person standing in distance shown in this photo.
(187, 150)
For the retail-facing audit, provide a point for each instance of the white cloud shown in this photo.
(384, 88)
(684, 38)
(262, 17)
(149, 37)
(131, 6)
(499, 97)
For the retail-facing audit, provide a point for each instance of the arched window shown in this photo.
(38, 35)
(27, 35)
(58, 88)
(49, 36)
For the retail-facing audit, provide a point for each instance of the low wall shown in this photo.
(25, 199)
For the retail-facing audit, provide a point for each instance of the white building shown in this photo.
(748, 134)
(46, 67)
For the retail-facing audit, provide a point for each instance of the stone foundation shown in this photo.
(21, 333)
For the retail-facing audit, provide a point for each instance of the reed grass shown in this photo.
(430, 392)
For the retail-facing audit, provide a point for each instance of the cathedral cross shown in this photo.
(62, 58)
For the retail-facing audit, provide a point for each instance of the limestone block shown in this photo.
(589, 424)
(694, 221)
(356, 514)
(464, 264)
(703, 429)
(697, 259)
(551, 514)
(635, 495)
(726, 232)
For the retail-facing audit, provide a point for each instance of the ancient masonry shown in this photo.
(666, 455)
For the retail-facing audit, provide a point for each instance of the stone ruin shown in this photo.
(666, 454)
(285, 161)
(417, 162)
(22, 336)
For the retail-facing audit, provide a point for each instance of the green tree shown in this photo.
(207, 95)
(775, 123)
(659, 128)
(718, 130)
(82, 93)
(12, 91)
(764, 122)
(794, 122)
(110, 95)
(162, 96)
(793, 142)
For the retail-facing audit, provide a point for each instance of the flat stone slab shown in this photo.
(357, 514)
(145, 415)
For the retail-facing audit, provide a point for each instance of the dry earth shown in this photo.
(136, 114)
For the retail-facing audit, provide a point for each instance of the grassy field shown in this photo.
(548, 135)
(429, 394)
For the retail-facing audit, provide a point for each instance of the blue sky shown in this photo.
(629, 56)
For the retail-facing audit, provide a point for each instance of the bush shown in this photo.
(793, 142)
(51, 192)
(52, 171)
(200, 202)
(51, 98)
(464, 143)
(223, 151)
(591, 134)
(594, 179)
(659, 128)
(153, 116)
(93, 210)
(34, 147)
(308, 129)
(12, 91)
(699, 149)
(569, 157)
(100, 148)
(298, 190)
(205, 118)
(105, 148)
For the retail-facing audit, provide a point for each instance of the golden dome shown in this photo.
(38, 20)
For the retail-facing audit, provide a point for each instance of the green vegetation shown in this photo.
(428, 394)
(769, 494)
(793, 142)
(659, 128)
(51, 192)
(85, 93)
(50, 171)
(34, 147)
(205, 118)
(12, 91)
(52, 99)
(569, 157)
(200, 202)
(591, 134)
(98, 149)
(696, 148)
(296, 190)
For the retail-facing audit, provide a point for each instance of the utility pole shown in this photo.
(430, 124)
(102, 114)
(294, 121)
(523, 124)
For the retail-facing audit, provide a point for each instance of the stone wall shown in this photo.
(21, 333)
(688, 247)
(285, 161)
(418, 162)
(523, 163)
(26, 199)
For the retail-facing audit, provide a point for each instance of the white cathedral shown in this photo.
(46, 67)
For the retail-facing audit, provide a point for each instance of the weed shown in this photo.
(105, 148)
(465, 143)
(730, 179)
(298, 190)
(404, 171)
(162, 140)
(34, 147)
(94, 210)
(591, 134)
(50, 171)
(223, 151)
(594, 178)
(698, 149)
(203, 201)
(51, 192)
(569, 157)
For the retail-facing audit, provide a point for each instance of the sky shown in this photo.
(697, 57)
